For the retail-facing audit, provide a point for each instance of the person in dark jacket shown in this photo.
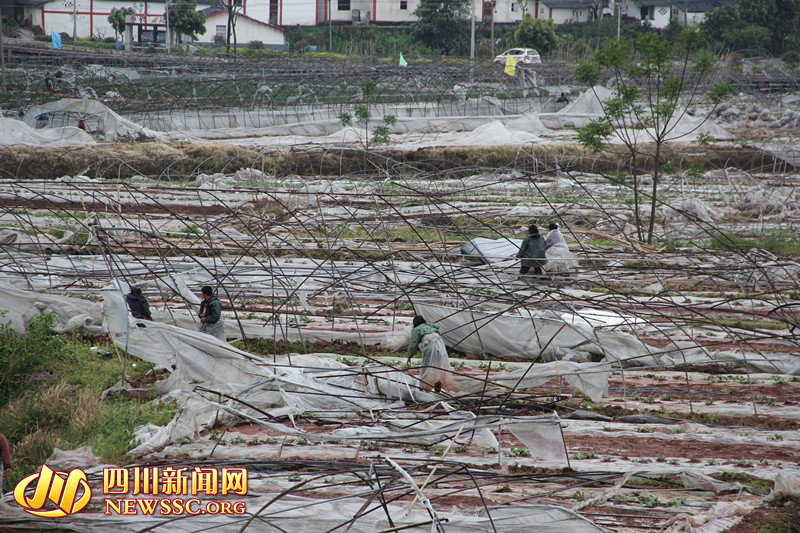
(138, 304)
(532, 252)
(50, 83)
(211, 314)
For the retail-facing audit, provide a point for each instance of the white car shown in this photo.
(524, 56)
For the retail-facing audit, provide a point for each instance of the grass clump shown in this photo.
(783, 520)
(745, 479)
(51, 396)
(781, 242)
(23, 354)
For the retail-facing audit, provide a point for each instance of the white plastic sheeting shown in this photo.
(560, 259)
(787, 485)
(261, 387)
(719, 518)
(696, 480)
(589, 378)
(114, 126)
(684, 128)
(306, 515)
(588, 106)
(83, 458)
(689, 353)
(71, 313)
(18, 133)
(113, 72)
(533, 336)
(543, 438)
(491, 250)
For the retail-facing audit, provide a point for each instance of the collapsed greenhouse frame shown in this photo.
(348, 259)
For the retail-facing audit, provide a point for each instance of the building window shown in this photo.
(514, 6)
(403, 4)
(221, 30)
(344, 5)
(273, 11)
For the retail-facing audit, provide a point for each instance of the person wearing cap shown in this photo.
(532, 252)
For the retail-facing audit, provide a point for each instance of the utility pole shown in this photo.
(685, 13)
(74, 21)
(494, 5)
(472, 42)
(169, 31)
(619, 17)
(228, 30)
(330, 28)
(2, 57)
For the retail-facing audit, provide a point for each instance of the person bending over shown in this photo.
(435, 373)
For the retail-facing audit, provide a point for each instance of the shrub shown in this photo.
(255, 45)
(10, 21)
(21, 354)
(791, 57)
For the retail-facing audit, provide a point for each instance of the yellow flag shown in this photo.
(511, 66)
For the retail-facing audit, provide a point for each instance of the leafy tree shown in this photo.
(184, 19)
(380, 133)
(598, 32)
(443, 24)
(536, 33)
(232, 9)
(117, 19)
(727, 25)
(654, 88)
(779, 17)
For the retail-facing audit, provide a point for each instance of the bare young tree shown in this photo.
(654, 88)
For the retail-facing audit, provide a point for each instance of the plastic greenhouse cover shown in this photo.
(533, 336)
(306, 515)
(71, 313)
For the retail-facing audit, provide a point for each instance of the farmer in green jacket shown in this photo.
(435, 373)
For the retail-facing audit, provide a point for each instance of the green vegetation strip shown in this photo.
(50, 396)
